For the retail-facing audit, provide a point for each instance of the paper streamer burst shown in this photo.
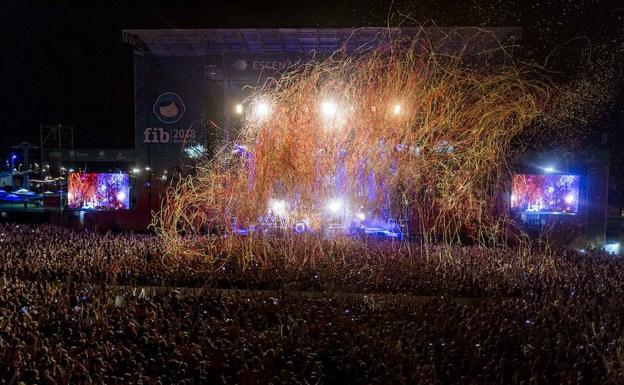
(402, 130)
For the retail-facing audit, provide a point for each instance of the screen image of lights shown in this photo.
(549, 193)
(98, 191)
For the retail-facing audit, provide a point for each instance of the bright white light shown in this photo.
(569, 199)
(334, 205)
(612, 248)
(329, 108)
(147, 168)
(361, 216)
(121, 196)
(549, 169)
(239, 108)
(261, 109)
(278, 207)
(396, 109)
(195, 151)
(136, 170)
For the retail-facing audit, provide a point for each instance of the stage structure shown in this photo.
(190, 85)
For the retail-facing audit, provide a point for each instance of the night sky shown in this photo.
(65, 62)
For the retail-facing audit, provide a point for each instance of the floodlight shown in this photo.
(329, 108)
(334, 205)
(261, 109)
(278, 207)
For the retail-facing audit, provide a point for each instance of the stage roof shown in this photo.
(200, 42)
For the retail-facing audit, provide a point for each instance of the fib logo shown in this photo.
(156, 135)
(169, 107)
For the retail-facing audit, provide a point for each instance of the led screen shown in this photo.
(545, 193)
(98, 191)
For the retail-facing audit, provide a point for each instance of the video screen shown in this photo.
(98, 191)
(549, 193)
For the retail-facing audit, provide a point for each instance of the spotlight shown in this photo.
(334, 205)
(549, 169)
(278, 207)
(361, 216)
(239, 108)
(329, 108)
(261, 109)
(147, 168)
(397, 109)
(121, 196)
(136, 170)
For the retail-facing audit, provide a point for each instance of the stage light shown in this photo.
(136, 170)
(239, 108)
(611, 248)
(361, 216)
(261, 109)
(278, 207)
(147, 168)
(71, 170)
(569, 199)
(549, 169)
(195, 151)
(121, 196)
(397, 109)
(334, 205)
(329, 109)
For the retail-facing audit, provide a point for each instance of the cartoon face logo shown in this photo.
(169, 107)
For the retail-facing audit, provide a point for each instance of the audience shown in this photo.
(88, 308)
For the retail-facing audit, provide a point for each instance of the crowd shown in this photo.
(73, 311)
